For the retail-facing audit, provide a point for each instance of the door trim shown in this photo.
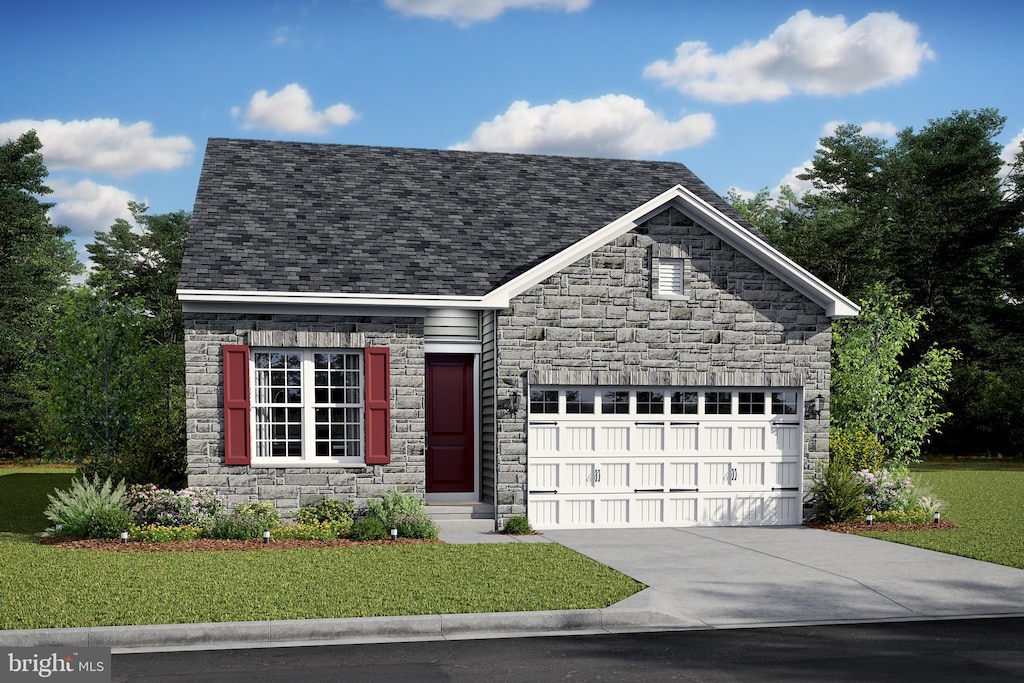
(468, 496)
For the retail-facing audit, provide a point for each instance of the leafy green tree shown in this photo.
(95, 376)
(141, 263)
(36, 260)
(900, 405)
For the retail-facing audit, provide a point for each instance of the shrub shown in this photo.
(262, 512)
(368, 529)
(158, 534)
(416, 526)
(187, 507)
(838, 494)
(327, 510)
(517, 526)
(887, 490)
(389, 507)
(72, 510)
(107, 523)
(930, 504)
(315, 531)
(405, 512)
(248, 520)
(914, 516)
(855, 449)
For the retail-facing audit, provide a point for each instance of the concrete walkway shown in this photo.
(697, 578)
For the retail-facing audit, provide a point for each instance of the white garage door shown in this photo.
(658, 456)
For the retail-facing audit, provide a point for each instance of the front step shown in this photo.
(458, 512)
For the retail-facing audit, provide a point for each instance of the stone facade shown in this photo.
(597, 323)
(288, 487)
(594, 323)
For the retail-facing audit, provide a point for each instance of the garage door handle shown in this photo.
(648, 490)
(659, 424)
(546, 492)
(785, 488)
(684, 490)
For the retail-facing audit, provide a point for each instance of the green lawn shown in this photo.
(986, 499)
(45, 586)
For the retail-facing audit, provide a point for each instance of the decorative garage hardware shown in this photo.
(684, 490)
(648, 490)
(786, 424)
(813, 408)
(785, 488)
(550, 493)
(682, 424)
(734, 474)
(543, 424)
(652, 424)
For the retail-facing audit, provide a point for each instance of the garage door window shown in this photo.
(751, 403)
(783, 403)
(585, 401)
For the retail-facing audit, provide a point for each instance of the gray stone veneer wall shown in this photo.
(597, 323)
(287, 487)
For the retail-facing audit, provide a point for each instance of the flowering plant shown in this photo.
(164, 507)
(887, 490)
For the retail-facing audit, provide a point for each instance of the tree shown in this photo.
(36, 261)
(870, 388)
(935, 214)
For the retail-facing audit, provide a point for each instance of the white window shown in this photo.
(307, 406)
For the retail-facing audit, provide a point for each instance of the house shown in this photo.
(590, 342)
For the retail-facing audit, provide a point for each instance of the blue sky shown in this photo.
(125, 94)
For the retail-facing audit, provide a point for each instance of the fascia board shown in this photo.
(198, 297)
(768, 257)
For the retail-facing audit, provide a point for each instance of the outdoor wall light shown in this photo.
(394, 534)
(870, 518)
(124, 537)
(813, 408)
(266, 536)
(511, 404)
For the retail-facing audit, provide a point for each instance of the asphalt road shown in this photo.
(933, 651)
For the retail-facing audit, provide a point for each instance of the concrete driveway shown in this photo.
(722, 577)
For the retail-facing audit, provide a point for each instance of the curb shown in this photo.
(297, 632)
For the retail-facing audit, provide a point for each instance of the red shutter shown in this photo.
(378, 406)
(236, 405)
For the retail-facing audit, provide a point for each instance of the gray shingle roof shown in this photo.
(305, 217)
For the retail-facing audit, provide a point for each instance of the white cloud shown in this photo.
(105, 145)
(290, 110)
(880, 129)
(87, 207)
(1009, 154)
(465, 12)
(285, 35)
(609, 126)
(807, 54)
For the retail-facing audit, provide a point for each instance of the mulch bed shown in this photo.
(215, 544)
(858, 527)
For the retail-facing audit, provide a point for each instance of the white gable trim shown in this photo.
(708, 217)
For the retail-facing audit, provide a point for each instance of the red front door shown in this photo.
(451, 451)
